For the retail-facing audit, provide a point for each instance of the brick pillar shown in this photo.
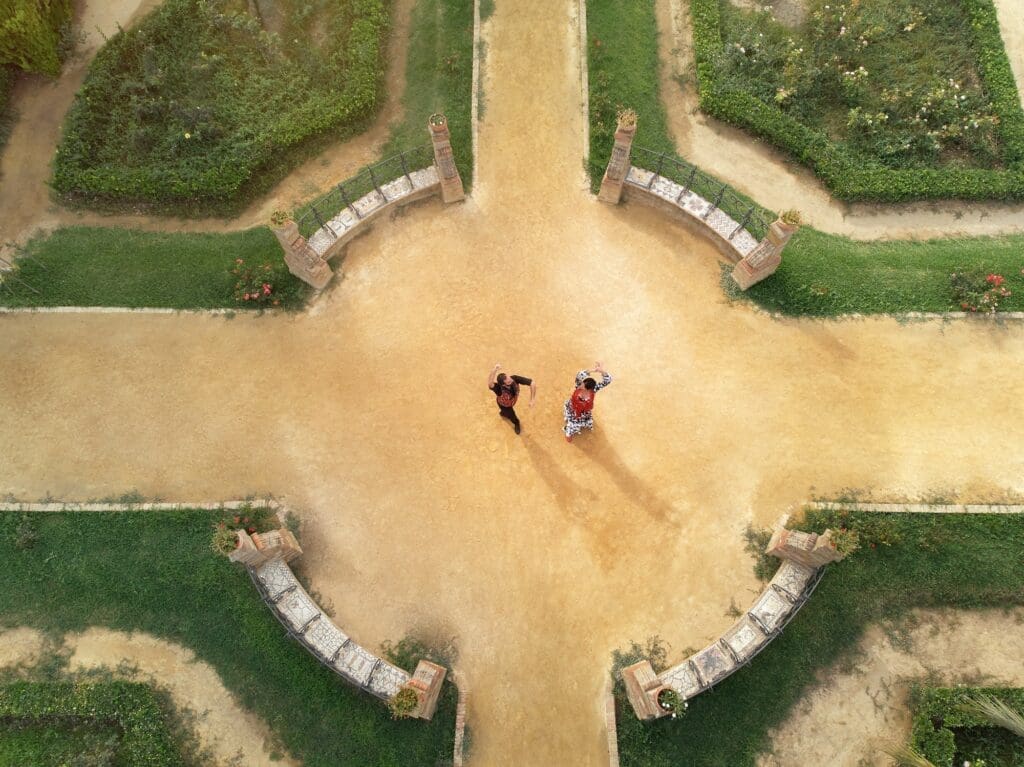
(427, 681)
(642, 688)
(808, 549)
(766, 257)
(301, 259)
(451, 181)
(618, 164)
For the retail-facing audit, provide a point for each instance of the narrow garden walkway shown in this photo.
(859, 706)
(423, 511)
(762, 172)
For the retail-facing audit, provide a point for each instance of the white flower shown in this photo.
(188, 135)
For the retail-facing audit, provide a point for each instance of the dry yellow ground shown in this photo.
(423, 510)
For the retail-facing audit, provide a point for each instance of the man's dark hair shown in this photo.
(589, 383)
(501, 378)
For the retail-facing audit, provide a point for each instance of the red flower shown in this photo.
(246, 296)
(266, 288)
(251, 530)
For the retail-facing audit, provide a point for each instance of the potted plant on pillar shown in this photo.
(405, 703)
(671, 702)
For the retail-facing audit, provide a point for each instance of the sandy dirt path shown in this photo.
(230, 733)
(844, 720)
(423, 511)
(771, 178)
(41, 104)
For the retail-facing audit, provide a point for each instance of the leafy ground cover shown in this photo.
(155, 572)
(205, 103)
(84, 266)
(34, 36)
(886, 101)
(821, 274)
(439, 78)
(87, 723)
(6, 118)
(947, 732)
(905, 561)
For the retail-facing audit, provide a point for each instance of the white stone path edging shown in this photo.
(459, 754)
(120, 310)
(919, 508)
(610, 726)
(256, 503)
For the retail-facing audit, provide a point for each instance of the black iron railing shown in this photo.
(312, 216)
(747, 215)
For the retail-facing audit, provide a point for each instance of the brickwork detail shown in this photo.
(302, 260)
(440, 137)
(618, 164)
(766, 257)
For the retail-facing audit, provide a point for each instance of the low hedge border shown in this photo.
(845, 176)
(224, 177)
(130, 707)
(945, 705)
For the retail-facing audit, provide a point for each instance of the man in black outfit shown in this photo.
(506, 388)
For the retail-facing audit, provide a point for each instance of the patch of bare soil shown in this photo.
(41, 104)
(855, 708)
(231, 733)
(20, 647)
(770, 177)
(789, 13)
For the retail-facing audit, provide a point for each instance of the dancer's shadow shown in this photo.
(596, 446)
(570, 495)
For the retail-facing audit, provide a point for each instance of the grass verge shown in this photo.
(923, 565)
(821, 274)
(155, 572)
(84, 266)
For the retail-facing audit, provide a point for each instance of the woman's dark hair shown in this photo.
(590, 383)
(501, 378)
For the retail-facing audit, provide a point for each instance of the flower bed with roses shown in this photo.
(253, 284)
(977, 291)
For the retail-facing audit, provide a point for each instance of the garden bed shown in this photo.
(885, 101)
(948, 734)
(204, 105)
(821, 274)
(155, 572)
(905, 561)
(84, 723)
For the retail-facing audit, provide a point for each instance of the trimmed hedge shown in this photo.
(131, 708)
(846, 176)
(30, 34)
(938, 712)
(199, 104)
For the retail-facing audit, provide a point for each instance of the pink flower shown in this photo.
(246, 296)
(266, 289)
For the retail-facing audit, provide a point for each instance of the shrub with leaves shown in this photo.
(254, 284)
(404, 703)
(31, 33)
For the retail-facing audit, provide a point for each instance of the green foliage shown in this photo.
(845, 540)
(225, 539)
(201, 104)
(731, 726)
(84, 266)
(7, 75)
(949, 730)
(725, 93)
(30, 34)
(654, 649)
(138, 571)
(143, 736)
(755, 541)
(404, 703)
(26, 533)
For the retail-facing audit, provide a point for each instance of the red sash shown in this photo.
(580, 405)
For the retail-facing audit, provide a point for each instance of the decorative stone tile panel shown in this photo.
(713, 664)
(793, 578)
(356, 663)
(387, 680)
(324, 638)
(771, 609)
(683, 679)
(744, 639)
(297, 609)
(276, 578)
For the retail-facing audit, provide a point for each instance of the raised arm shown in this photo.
(494, 375)
(605, 377)
(533, 392)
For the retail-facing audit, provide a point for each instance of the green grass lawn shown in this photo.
(155, 572)
(203, 106)
(42, 745)
(83, 266)
(821, 274)
(933, 561)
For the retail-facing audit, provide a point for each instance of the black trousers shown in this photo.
(509, 413)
